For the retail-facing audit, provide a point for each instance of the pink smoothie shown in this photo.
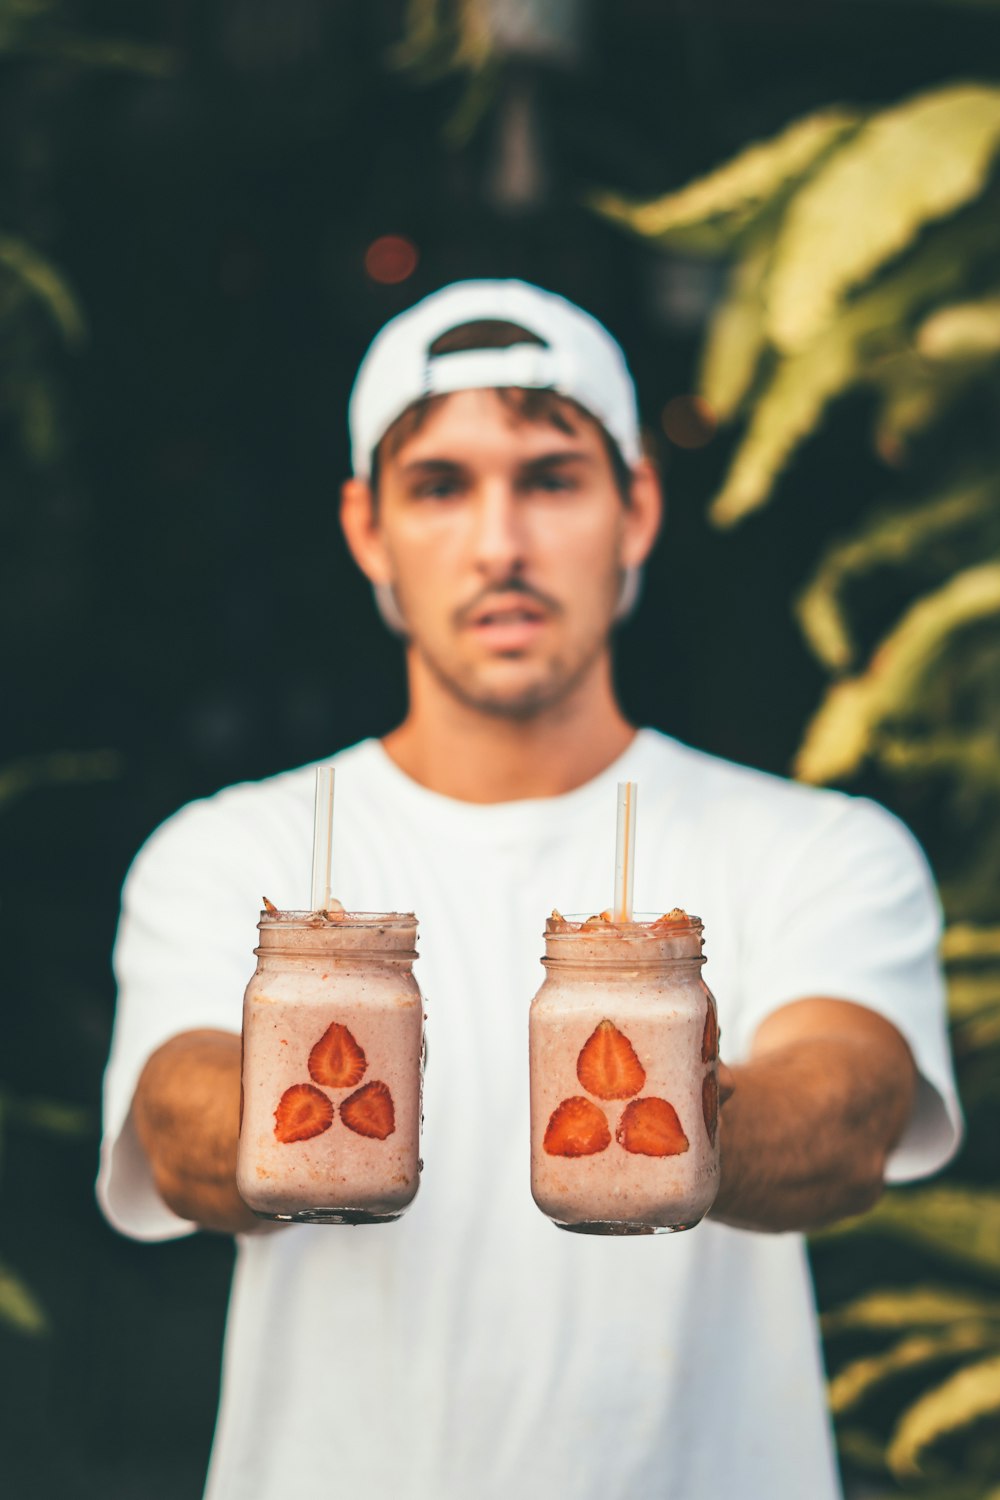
(332, 1039)
(623, 1056)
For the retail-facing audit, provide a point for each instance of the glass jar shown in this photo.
(330, 1108)
(624, 1089)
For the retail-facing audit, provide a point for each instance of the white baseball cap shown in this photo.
(577, 358)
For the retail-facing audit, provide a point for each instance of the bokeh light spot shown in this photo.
(688, 421)
(391, 258)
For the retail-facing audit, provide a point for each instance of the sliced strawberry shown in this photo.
(269, 906)
(370, 1112)
(650, 1127)
(577, 1128)
(336, 1060)
(710, 1103)
(607, 1065)
(302, 1112)
(710, 1036)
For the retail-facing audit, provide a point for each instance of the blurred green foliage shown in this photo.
(864, 255)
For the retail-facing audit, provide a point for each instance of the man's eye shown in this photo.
(552, 483)
(436, 489)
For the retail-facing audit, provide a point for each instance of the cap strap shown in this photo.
(526, 365)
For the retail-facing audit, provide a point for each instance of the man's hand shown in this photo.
(187, 1116)
(813, 1115)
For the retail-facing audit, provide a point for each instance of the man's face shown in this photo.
(504, 540)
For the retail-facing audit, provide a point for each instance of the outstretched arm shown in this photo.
(824, 1098)
(187, 1116)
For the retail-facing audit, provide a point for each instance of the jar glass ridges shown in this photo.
(624, 1089)
(332, 1047)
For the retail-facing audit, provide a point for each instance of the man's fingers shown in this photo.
(727, 1083)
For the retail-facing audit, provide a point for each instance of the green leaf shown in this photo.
(964, 940)
(966, 331)
(839, 736)
(916, 162)
(910, 1307)
(970, 995)
(850, 351)
(711, 213)
(19, 1307)
(915, 397)
(888, 539)
(862, 1449)
(49, 1116)
(962, 1224)
(977, 1033)
(46, 283)
(60, 767)
(736, 340)
(965, 1397)
(787, 412)
(856, 1380)
(971, 760)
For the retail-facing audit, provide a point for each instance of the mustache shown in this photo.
(510, 586)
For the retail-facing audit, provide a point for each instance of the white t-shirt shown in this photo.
(472, 1351)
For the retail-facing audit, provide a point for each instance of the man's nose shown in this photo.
(500, 541)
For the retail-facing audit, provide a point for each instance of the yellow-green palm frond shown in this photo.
(850, 351)
(39, 277)
(711, 214)
(841, 732)
(966, 332)
(889, 539)
(737, 340)
(860, 1377)
(20, 1309)
(909, 1308)
(960, 1224)
(969, 1395)
(919, 161)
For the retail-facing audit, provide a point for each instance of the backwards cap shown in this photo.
(578, 358)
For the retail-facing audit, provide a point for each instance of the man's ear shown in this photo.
(643, 515)
(359, 520)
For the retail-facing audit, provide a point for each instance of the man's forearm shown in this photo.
(806, 1134)
(187, 1115)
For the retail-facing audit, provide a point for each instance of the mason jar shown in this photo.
(330, 1108)
(624, 1046)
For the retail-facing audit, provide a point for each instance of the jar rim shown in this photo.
(323, 921)
(643, 924)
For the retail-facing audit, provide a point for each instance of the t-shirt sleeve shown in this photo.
(853, 914)
(182, 959)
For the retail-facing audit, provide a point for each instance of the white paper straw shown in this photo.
(628, 793)
(323, 839)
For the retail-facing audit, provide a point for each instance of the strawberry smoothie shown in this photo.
(332, 1059)
(624, 1091)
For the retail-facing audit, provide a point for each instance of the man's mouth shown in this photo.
(507, 614)
(508, 624)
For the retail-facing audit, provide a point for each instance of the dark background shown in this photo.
(173, 585)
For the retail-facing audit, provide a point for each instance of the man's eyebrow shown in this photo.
(559, 456)
(422, 466)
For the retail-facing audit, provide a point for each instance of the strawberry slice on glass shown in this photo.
(337, 1061)
(576, 1128)
(650, 1127)
(607, 1065)
(370, 1112)
(302, 1112)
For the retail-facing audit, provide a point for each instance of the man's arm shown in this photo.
(186, 1111)
(815, 1112)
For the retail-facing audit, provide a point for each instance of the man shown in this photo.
(501, 506)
